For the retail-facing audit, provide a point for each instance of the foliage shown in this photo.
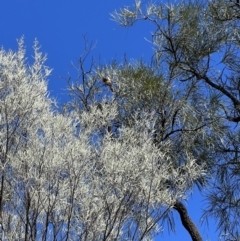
(65, 176)
(113, 165)
(180, 117)
(197, 42)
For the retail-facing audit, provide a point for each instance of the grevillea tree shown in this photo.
(89, 172)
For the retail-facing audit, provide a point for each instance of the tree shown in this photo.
(67, 175)
(180, 118)
(197, 42)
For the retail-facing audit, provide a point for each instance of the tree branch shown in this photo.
(187, 222)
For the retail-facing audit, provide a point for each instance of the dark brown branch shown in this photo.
(182, 130)
(187, 222)
(218, 87)
(234, 119)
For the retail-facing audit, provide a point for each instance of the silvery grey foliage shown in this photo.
(64, 176)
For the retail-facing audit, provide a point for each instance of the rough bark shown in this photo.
(187, 222)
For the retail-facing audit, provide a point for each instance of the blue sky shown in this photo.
(59, 26)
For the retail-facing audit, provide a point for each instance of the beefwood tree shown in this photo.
(197, 43)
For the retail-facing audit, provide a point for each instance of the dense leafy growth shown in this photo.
(134, 139)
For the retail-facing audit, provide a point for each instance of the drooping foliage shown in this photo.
(197, 42)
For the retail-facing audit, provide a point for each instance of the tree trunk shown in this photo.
(187, 222)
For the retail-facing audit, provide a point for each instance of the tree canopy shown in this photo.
(197, 43)
(116, 160)
(70, 175)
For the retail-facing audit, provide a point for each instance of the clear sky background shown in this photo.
(59, 26)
